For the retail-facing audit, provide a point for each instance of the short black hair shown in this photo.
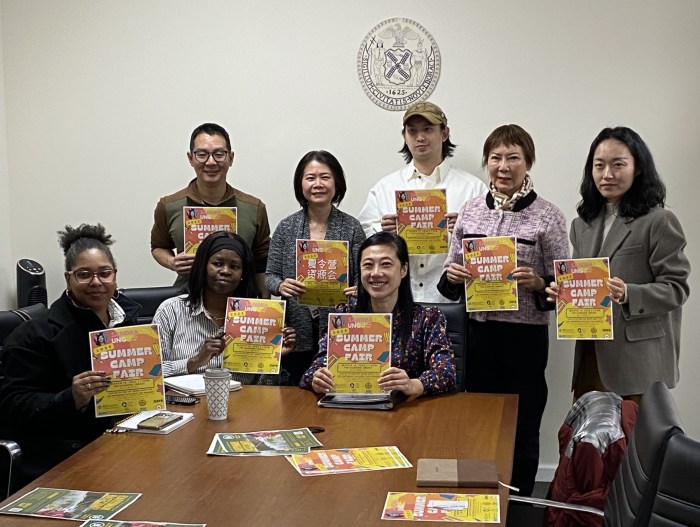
(74, 241)
(647, 190)
(331, 162)
(210, 129)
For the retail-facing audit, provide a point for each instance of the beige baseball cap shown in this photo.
(427, 110)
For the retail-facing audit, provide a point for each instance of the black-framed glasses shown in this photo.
(202, 156)
(83, 276)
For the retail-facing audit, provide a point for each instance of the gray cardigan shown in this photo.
(281, 264)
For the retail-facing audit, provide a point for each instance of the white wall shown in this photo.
(102, 97)
(7, 277)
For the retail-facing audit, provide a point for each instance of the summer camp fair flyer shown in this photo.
(131, 357)
(490, 262)
(584, 305)
(420, 220)
(322, 266)
(253, 334)
(346, 460)
(359, 350)
(200, 222)
(445, 507)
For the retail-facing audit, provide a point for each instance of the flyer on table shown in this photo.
(264, 443)
(584, 305)
(443, 506)
(131, 357)
(70, 504)
(359, 350)
(200, 222)
(322, 266)
(121, 523)
(420, 220)
(253, 335)
(345, 460)
(490, 262)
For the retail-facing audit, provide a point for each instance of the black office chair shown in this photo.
(456, 315)
(149, 298)
(633, 490)
(10, 452)
(677, 499)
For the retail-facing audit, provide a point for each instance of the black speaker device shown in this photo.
(31, 283)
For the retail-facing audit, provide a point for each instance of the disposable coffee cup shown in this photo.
(217, 386)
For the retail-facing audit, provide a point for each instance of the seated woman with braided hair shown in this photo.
(48, 382)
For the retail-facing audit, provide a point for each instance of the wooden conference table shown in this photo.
(180, 483)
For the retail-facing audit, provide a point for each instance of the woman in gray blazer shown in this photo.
(622, 216)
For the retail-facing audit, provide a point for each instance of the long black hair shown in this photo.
(404, 304)
(248, 288)
(647, 190)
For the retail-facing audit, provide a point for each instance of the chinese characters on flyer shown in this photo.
(420, 220)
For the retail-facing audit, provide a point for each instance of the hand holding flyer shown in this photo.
(490, 262)
(584, 306)
(420, 220)
(359, 350)
(131, 357)
(322, 266)
(253, 334)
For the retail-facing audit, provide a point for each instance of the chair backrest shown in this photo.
(149, 298)
(456, 315)
(677, 498)
(634, 487)
(9, 320)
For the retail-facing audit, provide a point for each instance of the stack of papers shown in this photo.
(264, 443)
(192, 384)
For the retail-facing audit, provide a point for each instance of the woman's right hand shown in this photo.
(552, 292)
(292, 288)
(457, 274)
(88, 384)
(212, 347)
(322, 381)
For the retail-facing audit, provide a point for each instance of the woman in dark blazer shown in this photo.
(622, 217)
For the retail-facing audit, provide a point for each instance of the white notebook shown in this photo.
(192, 384)
(131, 424)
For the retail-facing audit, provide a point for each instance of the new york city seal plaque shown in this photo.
(398, 63)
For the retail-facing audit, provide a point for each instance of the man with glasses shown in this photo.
(211, 157)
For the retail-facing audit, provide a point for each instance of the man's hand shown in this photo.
(182, 263)
(389, 223)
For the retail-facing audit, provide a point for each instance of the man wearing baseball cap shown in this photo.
(427, 150)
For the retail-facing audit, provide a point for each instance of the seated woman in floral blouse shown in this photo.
(422, 362)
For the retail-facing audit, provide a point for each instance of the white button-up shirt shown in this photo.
(461, 186)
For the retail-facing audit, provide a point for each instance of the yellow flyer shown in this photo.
(359, 350)
(490, 262)
(200, 222)
(322, 266)
(584, 305)
(253, 335)
(442, 507)
(131, 358)
(420, 220)
(345, 460)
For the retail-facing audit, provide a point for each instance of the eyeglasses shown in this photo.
(202, 156)
(105, 276)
